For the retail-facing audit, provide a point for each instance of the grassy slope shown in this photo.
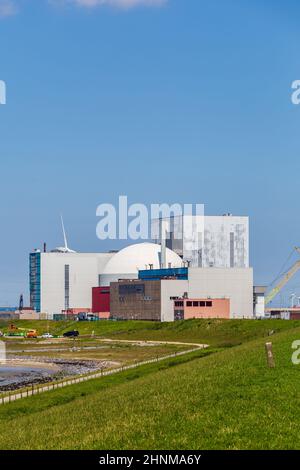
(226, 400)
(214, 332)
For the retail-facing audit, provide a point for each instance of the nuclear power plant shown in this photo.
(202, 272)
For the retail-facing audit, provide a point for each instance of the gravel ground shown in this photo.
(21, 373)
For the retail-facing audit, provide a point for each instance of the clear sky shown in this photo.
(163, 101)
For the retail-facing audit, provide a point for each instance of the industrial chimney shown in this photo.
(163, 244)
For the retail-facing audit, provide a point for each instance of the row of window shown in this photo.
(145, 298)
(194, 303)
(199, 303)
(127, 289)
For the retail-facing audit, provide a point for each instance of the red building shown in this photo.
(101, 300)
(186, 309)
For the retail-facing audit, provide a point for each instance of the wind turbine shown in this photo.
(65, 248)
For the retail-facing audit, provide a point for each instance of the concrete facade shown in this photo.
(207, 241)
(145, 300)
(169, 290)
(135, 300)
(235, 284)
(259, 304)
(63, 281)
(154, 299)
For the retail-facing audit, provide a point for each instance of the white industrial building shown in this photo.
(206, 241)
(152, 296)
(62, 281)
(233, 283)
(215, 251)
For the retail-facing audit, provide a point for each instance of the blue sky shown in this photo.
(164, 101)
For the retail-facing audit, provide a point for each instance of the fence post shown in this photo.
(270, 356)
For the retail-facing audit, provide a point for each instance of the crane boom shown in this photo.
(13, 327)
(288, 275)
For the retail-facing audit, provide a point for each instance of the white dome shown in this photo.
(127, 262)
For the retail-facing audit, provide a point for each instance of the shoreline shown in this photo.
(46, 370)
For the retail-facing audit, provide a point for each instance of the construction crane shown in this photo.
(29, 333)
(284, 280)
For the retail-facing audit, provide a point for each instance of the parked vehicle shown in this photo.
(31, 334)
(71, 334)
(47, 335)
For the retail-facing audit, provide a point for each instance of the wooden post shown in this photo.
(270, 356)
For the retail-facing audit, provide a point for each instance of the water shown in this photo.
(22, 375)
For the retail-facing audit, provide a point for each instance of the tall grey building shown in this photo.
(206, 241)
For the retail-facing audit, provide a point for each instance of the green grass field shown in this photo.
(223, 333)
(215, 399)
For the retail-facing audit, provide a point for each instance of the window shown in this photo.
(195, 304)
(202, 303)
(189, 304)
(209, 303)
(179, 304)
(128, 289)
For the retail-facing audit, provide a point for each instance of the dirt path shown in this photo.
(150, 342)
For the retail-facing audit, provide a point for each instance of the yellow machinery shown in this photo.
(30, 333)
(283, 280)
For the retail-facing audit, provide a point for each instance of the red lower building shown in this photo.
(101, 301)
(186, 309)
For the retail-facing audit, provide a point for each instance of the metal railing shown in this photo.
(8, 397)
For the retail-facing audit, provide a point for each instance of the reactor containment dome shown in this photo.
(126, 263)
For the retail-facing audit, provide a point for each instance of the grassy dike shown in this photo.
(216, 333)
(225, 400)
